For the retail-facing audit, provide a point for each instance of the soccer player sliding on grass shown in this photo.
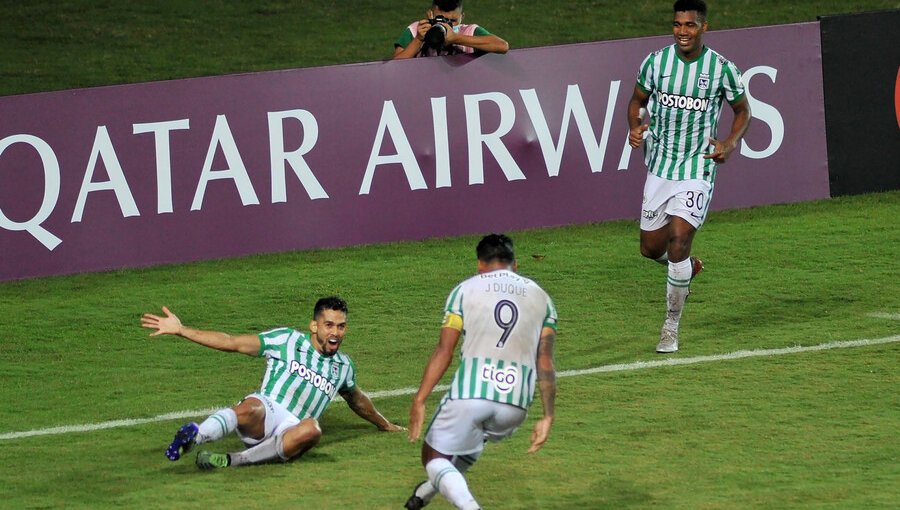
(305, 372)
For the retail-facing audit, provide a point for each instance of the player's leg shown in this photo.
(213, 428)
(678, 282)
(282, 445)
(425, 491)
(447, 478)
(271, 432)
(455, 431)
(687, 209)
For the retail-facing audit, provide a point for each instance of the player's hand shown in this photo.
(540, 433)
(393, 427)
(636, 135)
(721, 151)
(416, 419)
(168, 325)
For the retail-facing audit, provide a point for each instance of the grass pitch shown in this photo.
(806, 430)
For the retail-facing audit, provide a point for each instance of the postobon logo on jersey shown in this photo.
(504, 379)
(315, 379)
(684, 102)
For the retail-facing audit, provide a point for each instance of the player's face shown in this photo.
(688, 30)
(328, 331)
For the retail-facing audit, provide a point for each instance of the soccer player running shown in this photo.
(682, 87)
(509, 324)
(281, 420)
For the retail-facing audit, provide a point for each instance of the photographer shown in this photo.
(443, 33)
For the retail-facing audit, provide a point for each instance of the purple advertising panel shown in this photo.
(183, 170)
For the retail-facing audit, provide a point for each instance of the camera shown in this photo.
(434, 38)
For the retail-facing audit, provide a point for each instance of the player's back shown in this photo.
(503, 314)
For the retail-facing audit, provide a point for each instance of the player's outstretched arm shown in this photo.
(547, 382)
(437, 366)
(170, 324)
(362, 405)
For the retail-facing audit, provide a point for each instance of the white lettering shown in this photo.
(279, 156)
(441, 142)
(51, 192)
(766, 113)
(490, 140)
(222, 137)
(390, 122)
(103, 149)
(160, 132)
(574, 105)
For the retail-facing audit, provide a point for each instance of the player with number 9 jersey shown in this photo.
(501, 315)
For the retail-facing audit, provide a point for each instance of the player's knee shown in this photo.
(308, 430)
(250, 411)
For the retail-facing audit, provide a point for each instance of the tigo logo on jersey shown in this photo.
(504, 379)
(684, 102)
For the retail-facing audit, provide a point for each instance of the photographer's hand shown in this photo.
(424, 26)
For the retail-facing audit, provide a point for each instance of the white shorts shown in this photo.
(460, 427)
(278, 419)
(664, 198)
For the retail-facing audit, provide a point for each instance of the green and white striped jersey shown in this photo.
(502, 315)
(684, 105)
(298, 377)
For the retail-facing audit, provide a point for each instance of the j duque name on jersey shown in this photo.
(683, 102)
(504, 379)
(315, 379)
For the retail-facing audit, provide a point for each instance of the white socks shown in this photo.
(678, 284)
(444, 475)
(269, 449)
(462, 463)
(217, 426)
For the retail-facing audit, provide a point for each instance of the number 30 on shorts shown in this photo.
(694, 200)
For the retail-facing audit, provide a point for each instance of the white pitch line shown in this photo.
(638, 365)
(883, 315)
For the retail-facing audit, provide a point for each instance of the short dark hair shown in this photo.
(690, 5)
(329, 303)
(495, 247)
(447, 5)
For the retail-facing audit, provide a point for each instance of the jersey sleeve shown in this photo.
(480, 30)
(732, 83)
(350, 383)
(272, 343)
(453, 314)
(407, 36)
(551, 319)
(646, 74)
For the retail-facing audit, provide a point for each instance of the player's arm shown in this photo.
(362, 405)
(547, 382)
(722, 149)
(170, 324)
(636, 127)
(437, 366)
